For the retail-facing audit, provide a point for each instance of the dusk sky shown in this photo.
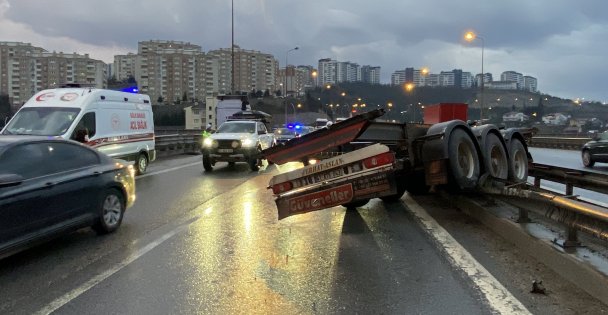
(561, 43)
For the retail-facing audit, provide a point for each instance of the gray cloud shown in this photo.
(559, 42)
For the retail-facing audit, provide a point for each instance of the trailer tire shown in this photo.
(518, 162)
(495, 157)
(416, 185)
(355, 204)
(207, 165)
(463, 160)
(396, 197)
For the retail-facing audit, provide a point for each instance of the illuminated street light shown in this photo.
(409, 87)
(343, 93)
(469, 37)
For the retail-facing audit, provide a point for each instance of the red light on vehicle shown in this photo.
(354, 110)
(379, 160)
(281, 188)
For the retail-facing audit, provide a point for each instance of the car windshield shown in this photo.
(237, 128)
(42, 121)
(284, 132)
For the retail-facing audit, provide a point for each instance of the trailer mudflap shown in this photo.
(321, 140)
(378, 184)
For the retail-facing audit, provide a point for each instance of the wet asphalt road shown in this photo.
(210, 243)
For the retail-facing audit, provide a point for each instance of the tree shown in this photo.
(160, 99)
(185, 97)
(267, 93)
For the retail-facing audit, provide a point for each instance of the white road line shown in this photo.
(68, 297)
(168, 170)
(498, 297)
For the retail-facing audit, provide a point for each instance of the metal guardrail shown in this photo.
(178, 144)
(575, 214)
(558, 142)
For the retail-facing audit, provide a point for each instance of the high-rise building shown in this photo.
(487, 77)
(125, 66)
(370, 74)
(530, 84)
(398, 77)
(467, 80)
(252, 70)
(26, 70)
(327, 71)
(171, 70)
(306, 77)
(512, 76)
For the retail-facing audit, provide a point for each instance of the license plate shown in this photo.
(224, 150)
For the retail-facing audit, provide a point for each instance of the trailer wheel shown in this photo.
(463, 160)
(207, 163)
(416, 184)
(400, 183)
(518, 162)
(495, 157)
(355, 204)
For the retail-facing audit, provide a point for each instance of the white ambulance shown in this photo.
(119, 124)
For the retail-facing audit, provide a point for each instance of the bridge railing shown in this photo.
(566, 143)
(173, 144)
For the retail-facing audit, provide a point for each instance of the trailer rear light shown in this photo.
(281, 188)
(379, 160)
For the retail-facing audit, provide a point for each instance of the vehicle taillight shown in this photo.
(379, 160)
(281, 188)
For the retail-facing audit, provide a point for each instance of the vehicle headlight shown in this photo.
(208, 142)
(247, 143)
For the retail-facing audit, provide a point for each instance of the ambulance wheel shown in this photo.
(141, 164)
(355, 204)
(207, 163)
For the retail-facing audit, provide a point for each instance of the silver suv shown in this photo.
(237, 141)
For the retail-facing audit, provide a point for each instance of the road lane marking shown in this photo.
(68, 297)
(168, 170)
(498, 297)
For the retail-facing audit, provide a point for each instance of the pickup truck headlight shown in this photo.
(246, 143)
(208, 142)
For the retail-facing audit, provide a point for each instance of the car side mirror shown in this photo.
(8, 180)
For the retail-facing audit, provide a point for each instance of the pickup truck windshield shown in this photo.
(42, 121)
(237, 128)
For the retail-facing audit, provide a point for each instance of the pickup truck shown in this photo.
(237, 141)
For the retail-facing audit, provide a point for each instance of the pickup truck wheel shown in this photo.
(141, 164)
(253, 162)
(355, 204)
(207, 163)
(463, 160)
(495, 157)
(518, 162)
(587, 160)
(111, 211)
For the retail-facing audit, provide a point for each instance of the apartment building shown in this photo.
(530, 84)
(370, 74)
(252, 70)
(125, 66)
(26, 70)
(170, 70)
(327, 71)
(398, 77)
(512, 76)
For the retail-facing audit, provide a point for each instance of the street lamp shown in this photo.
(286, 64)
(469, 37)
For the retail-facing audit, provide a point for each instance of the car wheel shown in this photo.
(111, 211)
(141, 165)
(587, 160)
(207, 163)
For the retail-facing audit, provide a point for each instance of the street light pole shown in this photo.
(286, 64)
(471, 36)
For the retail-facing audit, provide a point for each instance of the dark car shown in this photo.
(596, 150)
(50, 186)
(283, 135)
